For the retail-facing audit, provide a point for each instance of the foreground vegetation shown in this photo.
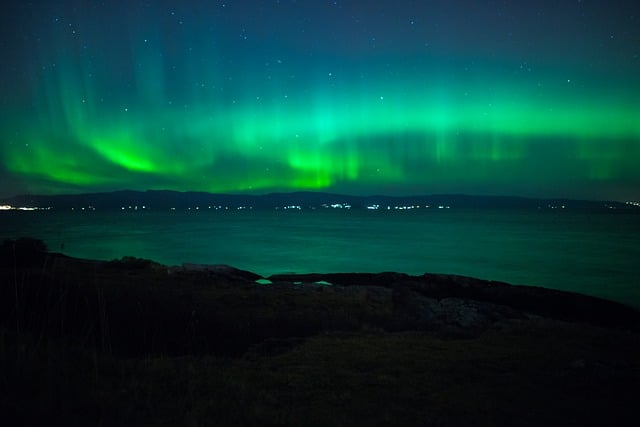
(126, 343)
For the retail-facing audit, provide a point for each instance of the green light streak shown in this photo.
(386, 133)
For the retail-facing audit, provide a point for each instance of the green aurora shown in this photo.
(93, 111)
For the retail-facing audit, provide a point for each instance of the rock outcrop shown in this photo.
(431, 298)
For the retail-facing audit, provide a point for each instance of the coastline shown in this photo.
(130, 337)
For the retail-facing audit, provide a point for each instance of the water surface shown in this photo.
(595, 253)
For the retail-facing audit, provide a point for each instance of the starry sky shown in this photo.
(531, 98)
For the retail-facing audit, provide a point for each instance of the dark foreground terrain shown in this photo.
(132, 342)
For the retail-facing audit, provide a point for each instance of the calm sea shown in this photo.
(593, 253)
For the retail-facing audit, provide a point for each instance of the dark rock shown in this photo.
(539, 301)
(414, 310)
(222, 271)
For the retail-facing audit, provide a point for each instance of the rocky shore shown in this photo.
(134, 342)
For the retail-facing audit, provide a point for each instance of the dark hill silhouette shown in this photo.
(166, 199)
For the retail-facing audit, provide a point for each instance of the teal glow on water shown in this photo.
(592, 253)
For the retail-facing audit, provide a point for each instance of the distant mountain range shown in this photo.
(166, 200)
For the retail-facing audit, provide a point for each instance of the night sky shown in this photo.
(531, 98)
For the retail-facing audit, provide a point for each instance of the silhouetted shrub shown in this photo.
(22, 251)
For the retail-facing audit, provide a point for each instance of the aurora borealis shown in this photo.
(396, 97)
